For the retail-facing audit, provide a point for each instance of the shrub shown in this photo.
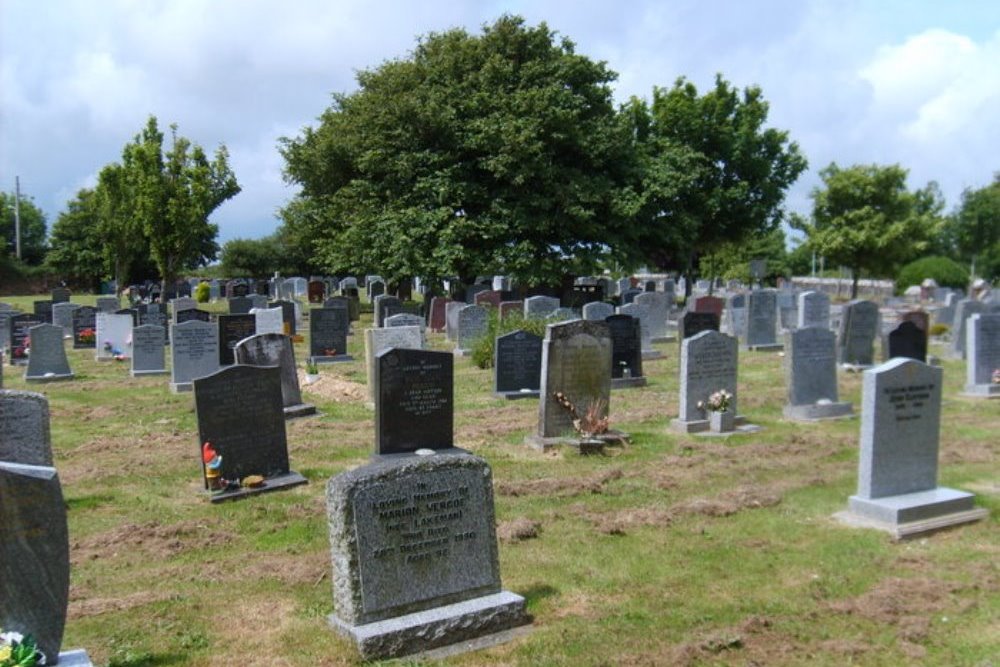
(202, 292)
(482, 352)
(945, 272)
(938, 329)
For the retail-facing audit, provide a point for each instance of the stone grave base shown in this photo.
(337, 358)
(818, 411)
(627, 383)
(48, 377)
(162, 371)
(515, 395)
(434, 628)
(664, 339)
(592, 445)
(651, 354)
(769, 347)
(701, 426)
(74, 658)
(277, 483)
(912, 514)
(300, 410)
(181, 387)
(982, 390)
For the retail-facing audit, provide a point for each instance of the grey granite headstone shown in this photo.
(708, 364)
(48, 360)
(964, 309)
(147, 350)
(597, 311)
(108, 304)
(60, 295)
(657, 309)
(113, 335)
(517, 365)
(472, 323)
(181, 304)
(641, 312)
(811, 375)
(404, 320)
(761, 319)
(276, 350)
(240, 305)
(414, 555)
(34, 554)
(24, 428)
(385, 306)
(194, 353)
(576, 363)
(328, 329)
(62, 316)
(377, 340)
(414, 400)
(736, 315)
(898, 462)
(268, 320)
(983, 354)
(451, 319)
(859, 325)
(539, 307)
(814, 310)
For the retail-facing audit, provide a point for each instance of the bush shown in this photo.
(944, 271)
(482, 352)
(202, 292)
(939, 329)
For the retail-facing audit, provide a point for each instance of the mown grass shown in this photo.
(693, 551)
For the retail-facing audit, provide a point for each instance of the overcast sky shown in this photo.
(912, 82)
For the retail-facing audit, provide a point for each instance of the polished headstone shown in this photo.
(114, 333)
(814, 310)
(708, 364)
(377, 340)
(84, 327)
(626, 351)
(983, 354)
(328, 328)
(811, 375)
(194, 353)
(232, 329)
(517, 365)
(761, 318)
(147, 350)
(414, 400)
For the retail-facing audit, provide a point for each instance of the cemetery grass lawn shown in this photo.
(671, 550)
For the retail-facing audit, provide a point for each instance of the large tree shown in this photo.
(478, 153)
(714, 172)
(77, 253)
(172, 194)
(865, 219)
(975, 228)
(33, 226)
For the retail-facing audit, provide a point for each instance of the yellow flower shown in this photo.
(4, 653)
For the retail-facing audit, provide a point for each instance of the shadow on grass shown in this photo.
(88, 502)
(537, 593)
(147, 660)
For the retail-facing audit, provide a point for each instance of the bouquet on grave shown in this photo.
(87, 336)
(718, 402)
(996, 376)
(17, 650)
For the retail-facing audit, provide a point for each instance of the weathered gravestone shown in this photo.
(276, 350)
(48, 360)
(814, 310)
(5, 316)
(386, 306)
(114, 333)
(487, 297)
(509, 308)
(414, 555)
(811, 375)
(288, 318)
(576, 381)
(414, 400)
(761, 321)
(316, 291)
(20, 337)
(626, 351)
(539, 307)
(451, 319)
(736, 315)
(597, 311)
(641, 312)
(240, 418)
(62, 316)
(147, 350)
(268, 320)
(859, 324)
(24, 428)
(919, 317)
(906, 340)
(517, 365)
(983, 355)
(898, 462)
(655, 317)
(181, 304)
(377, 340)
(692, 323)
(328, 329)
(437, 313)
(472, 324)
(708, 365)
(233, 329)
(788, 309)
(194, 353)
(375, 288)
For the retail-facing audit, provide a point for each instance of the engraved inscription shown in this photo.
(908, 402)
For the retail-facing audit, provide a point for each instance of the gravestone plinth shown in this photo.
(414, 555)
(811, 376)
(898, 462)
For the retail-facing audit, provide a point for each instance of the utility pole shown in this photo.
(17, 216)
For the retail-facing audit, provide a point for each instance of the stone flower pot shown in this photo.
(721, 422)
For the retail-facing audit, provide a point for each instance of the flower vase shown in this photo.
(721, 422)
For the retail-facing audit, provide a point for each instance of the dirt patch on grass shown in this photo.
(518, 530)
(151, 540)
(90, 606)
(969, 451)
(754, 641)
(731, 502)
(558, 486)
(484, 425)
(331, 388)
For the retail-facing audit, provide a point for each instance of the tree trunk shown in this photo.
(855, 274)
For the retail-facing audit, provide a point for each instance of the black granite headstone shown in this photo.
(414, 400)
(43, 310)
(907, 340)
(626, 345)
(84, 327)
(240, 305)
(233, 329)
(19, 326)
(692, 323)
(328, 331)
(517, 364)
(192, 314)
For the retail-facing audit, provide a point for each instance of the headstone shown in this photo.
(598, 311)
(472, 324)
(147, 350)
(24, 428)
(194, 353)
(375, 288)
(898, 462)
(328, 329)
(62, 316)
(487, 298)
(192, 314)
(517, 365)
(404, 320)
(983, 355)
(640, 312)
(451, 318)
(539, 307)
(287, 315)
(268, 320)
(108, 304)
(576, 365)
(762, 312)
(629, 295)
(856, 338)
(655, 317)
(386, 306)
(276, 350)
(920, 318)
(437, 313)
(114, 333)
(348, 283)
(20, 338)
(84, 327)
(472, 290)
(377, 340)
(708, 364)
(181, 304)
(239, 305)
(258, 301)
(131, 312)
(906, 340)
(788, 309)
(814, 310)
(233, 329)
(316, 291)
(240, 416)
(60, 295)
(48, 360)
(811, 375)
(43, 310)
(626, 351)
(692, 323)
(414, 400)
(736, 315)
(413, 547)
(964, 309)
(508, 308)
(707, 304)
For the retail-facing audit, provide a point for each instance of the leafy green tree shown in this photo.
(171, 195)
(77, 252)
(975, 228)
(864, 218)
(713, 173)
(732, 260)
(478, 153)
(33, 227)
(250, 257)
(120, 234)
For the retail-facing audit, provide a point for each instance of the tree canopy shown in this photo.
(33, 228)
(975, 228)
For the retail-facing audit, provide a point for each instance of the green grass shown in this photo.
(162, 577)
